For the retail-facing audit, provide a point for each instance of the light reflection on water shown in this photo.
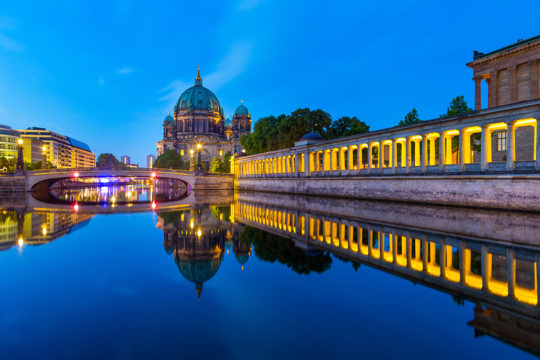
(238, 270)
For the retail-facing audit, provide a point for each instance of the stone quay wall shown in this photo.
(12, 184)
(509, 192)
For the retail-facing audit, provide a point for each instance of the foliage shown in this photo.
(9, 165)
(273, 133)
(36, 165)
(346, 126)
(458, 106)
(171, 217)
(220, 165)
(109, 161)
(411, 118)
(272, 248)
(224, 211)
(171, 159)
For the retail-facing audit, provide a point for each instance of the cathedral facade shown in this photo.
(198, 124)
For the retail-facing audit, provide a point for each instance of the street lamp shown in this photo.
(20, 161)
(199, 165)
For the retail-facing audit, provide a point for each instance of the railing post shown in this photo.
(424, 158)
(442, 148)
(408, 154)
(461, 150)
(369, 157)
(381, 157)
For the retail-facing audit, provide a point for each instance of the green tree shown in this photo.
(411, 118)
(8, 165)
(346, 126)
(220, 165)
(458, 106)
(109, 161)
(274, 133)
(171, 159)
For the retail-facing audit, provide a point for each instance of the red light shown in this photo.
(76, 174)
(76, 207)
(153, 174)
(154, 205)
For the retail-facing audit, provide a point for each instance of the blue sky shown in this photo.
(108, 72)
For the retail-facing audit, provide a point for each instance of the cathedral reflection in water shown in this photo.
(198, 238)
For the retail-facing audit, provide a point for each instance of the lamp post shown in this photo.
(191, 166)
(44, 157)
(20, 161)
(199, 165)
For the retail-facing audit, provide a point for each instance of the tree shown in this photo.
(274, 133)
(346, 126)
(109, 161)
(7, 165)
(171, 159)
(411, 118)
(458, 106)
(220, 165)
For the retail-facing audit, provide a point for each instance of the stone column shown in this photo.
(442, 148)
(477, 93)
(510, 271)
(484, 151)
(485, 269)
(306, 163)
(462, 150)
(510, 143)
(394, 157)
(407, 155)
(537, 146)
(297, 164)
(359, 158)
(369, 155)
(381, 157)
(424, 159)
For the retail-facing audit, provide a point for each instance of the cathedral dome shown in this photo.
(198, 98)
(241, 110)
(169, 118)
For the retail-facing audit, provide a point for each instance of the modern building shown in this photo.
(125, 159)
(198, 120)
(150, 160)
(32, 150)
(8, 142)
(62, 151)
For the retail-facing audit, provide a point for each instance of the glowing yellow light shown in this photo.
(416, 137)
(113, 199)
(220, 152)
(242, 267)
(20, 242)
(191, 224)
(525, 122)
(199, 233)
(198, 146)
(44, 148)
(44, 230)
(191, 151)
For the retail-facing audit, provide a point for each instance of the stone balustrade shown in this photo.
(496, 140)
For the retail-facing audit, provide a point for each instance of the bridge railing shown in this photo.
(495, 140)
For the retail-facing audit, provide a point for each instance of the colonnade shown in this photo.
(473, 265)
(439, 146)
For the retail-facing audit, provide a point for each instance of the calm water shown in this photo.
(255, 276)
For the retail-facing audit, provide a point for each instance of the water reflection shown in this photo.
(485, 257)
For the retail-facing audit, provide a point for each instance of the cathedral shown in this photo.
(198, 120)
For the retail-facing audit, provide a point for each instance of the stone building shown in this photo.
(512, 75)
(198, 119)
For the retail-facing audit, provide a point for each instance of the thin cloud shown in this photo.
(248, 4)
(229, 68)
(8, 44)
(124, 71)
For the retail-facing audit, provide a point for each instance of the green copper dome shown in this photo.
(198, 98)
(241, 110)
(169, 118)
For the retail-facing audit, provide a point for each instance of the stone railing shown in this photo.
(495, 140)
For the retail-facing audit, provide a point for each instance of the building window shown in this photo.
(501, 141)
(182, 152)
(220, 152)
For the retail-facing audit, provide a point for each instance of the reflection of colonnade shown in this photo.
(509, 141)
(36, 228)
(482, 270)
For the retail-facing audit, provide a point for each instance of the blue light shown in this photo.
(104, 180)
